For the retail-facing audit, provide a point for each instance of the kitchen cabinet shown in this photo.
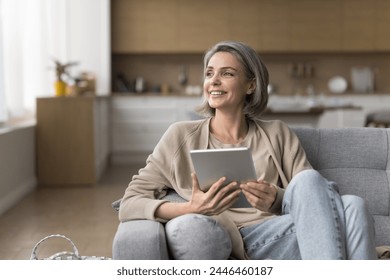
(315, 25)
(72, 140)
(201, 24)
(144, 26)
(167, 26)
(382, 26)
(244, 28)
(359, 25)
(138, 122)
(275, 26)
(184, 26)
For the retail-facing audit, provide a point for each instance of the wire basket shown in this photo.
(63, 255)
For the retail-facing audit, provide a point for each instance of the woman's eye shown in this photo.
(209, 74)
(228, 74)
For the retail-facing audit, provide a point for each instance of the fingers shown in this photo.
(260, 195)
(218, 198)
(195, 182)
(259, 188)
(226, 196)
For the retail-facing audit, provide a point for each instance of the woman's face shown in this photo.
(225, 85)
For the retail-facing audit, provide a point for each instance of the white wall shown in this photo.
(17, 165)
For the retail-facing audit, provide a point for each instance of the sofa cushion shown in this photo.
(357, 159)
(170, 196)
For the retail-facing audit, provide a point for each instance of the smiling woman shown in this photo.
(286, 196)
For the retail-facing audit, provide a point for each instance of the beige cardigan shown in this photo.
(169, 166)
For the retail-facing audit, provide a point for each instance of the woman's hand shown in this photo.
(214, 201)
(260, 194)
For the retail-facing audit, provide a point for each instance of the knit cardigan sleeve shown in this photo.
(168, 167)
(140, 200)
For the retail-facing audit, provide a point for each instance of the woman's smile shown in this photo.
(217, 92)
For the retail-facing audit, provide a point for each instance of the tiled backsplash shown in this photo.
(164, 69)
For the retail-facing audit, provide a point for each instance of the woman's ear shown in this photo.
(252, 87)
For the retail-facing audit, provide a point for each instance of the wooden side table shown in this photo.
(70, 131)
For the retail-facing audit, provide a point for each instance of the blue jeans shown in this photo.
(316, 223)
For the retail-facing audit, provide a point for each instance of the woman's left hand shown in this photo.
(260, 194)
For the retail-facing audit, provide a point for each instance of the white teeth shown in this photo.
(216, 92)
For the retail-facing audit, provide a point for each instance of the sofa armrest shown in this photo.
(140, 240)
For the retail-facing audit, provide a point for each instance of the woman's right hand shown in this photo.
(213, 202)
(217, 199)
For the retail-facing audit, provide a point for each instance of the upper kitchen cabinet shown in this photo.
(359, 25)
(274, 29)
(382, 39)
(366, 25)
(201, 24)
(171, 26)
(186, 26)
(144, 26)
(244, 22)
(315, 25)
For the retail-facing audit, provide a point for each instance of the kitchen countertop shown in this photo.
(314, 110)
(296, 111)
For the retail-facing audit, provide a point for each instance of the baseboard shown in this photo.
(12, 198)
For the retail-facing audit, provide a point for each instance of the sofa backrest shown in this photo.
(357, 159)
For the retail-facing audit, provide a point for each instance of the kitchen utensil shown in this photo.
(337, 84)
(139, 84)
(183, 79)
(362, 79)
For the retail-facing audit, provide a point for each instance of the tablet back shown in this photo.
(235, 164)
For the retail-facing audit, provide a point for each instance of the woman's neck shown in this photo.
(229, 129)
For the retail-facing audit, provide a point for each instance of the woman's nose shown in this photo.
(214, 80)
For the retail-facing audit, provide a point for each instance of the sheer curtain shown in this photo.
(3, 114)
(33, 33)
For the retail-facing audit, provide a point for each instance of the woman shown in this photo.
(296, 214)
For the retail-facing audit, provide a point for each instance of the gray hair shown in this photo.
(254, 68)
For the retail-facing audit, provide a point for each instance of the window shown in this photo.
(3, 110)
(34, 33)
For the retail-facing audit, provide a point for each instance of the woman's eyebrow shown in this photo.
(223, 68)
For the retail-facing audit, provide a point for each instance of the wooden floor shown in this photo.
(83, 214)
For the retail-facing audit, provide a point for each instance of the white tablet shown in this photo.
(236, 164)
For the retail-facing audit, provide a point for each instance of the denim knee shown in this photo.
(304, 181)
(194, 236)
(308, 185)
(354, 205)
(309, 177)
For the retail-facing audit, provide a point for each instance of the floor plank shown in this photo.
(84, 214)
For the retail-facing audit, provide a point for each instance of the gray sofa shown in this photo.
(356, 158)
